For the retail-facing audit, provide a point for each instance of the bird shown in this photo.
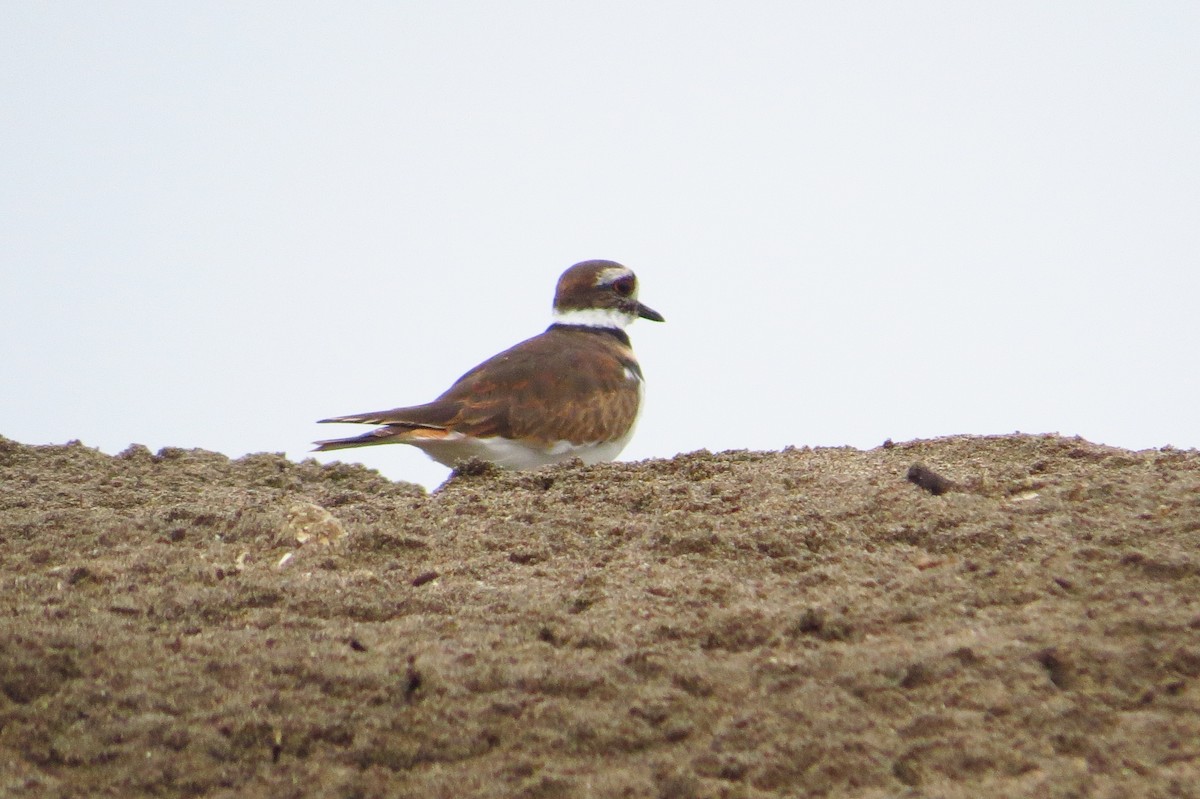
(572, 391)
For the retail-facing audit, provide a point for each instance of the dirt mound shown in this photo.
(745, 624)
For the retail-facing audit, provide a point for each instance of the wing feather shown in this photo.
(572, 385)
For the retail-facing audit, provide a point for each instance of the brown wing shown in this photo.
(570, 384)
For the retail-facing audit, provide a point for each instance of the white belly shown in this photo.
(509, 454)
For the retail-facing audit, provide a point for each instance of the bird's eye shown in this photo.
(624, 286)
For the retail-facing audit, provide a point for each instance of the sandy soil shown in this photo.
(745, 624)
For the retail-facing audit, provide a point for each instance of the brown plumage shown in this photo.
(572, 391)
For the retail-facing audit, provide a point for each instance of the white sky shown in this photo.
(220, 222)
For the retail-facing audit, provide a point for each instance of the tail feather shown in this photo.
(400, 426)
(359, 418)
(391, 434)
(381, 436)
(433, 415)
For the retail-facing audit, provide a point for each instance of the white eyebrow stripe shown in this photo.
(612, 274)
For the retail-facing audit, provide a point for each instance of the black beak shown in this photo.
(649, 313)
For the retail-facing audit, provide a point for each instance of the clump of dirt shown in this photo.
(743, 624)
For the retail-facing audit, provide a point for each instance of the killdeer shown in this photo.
(573, 391)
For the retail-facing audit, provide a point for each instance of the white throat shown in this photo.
(594, 317)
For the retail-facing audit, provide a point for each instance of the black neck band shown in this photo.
(615, 332)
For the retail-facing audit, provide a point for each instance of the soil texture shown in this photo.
(1015, 616)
